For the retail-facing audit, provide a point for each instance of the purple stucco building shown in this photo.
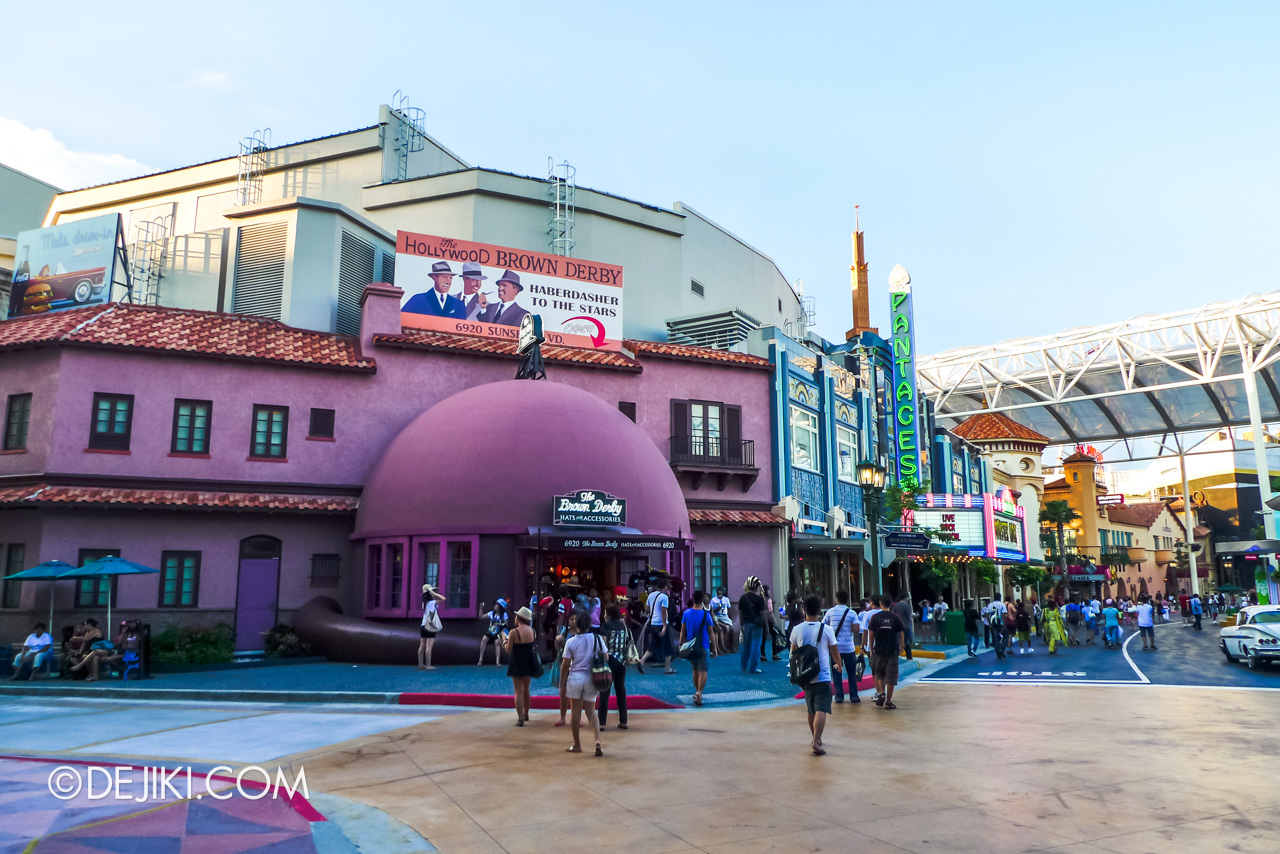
(259, 466)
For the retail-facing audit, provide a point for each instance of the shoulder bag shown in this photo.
(431, 622)
(601, 675)
(687, 648)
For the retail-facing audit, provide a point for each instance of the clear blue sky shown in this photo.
(1035, 166)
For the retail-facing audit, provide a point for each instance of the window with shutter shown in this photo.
(112, 423)
(733, 435)
(259, 273)
(355, 270)
(679, 429)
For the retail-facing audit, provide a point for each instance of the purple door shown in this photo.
(256, 601)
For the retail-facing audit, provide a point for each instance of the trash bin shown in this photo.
(955, 628)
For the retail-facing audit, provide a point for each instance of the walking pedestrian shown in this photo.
(617, 638)
(971, 618)
(752, 615)
(886, 637)
(696, 625)
(926, 615)
(1072, 610)
(1197, 609)
(1022, 624)
(576, 682)
(657, 643)
(1090, 618)
(905, 616)
(1111, 621)
(1146, 621)
(817, 692)
(940, 609)
(1054, 632)
(995, 620)
(1009, 625)
(773, 641)
(845, 626)
(521, 645)
(557, 672)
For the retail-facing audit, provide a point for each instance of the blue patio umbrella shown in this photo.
(51, 571)
(108, 567)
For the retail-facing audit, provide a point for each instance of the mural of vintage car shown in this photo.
(64, 290)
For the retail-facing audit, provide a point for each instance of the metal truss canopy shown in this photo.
(1148, 376)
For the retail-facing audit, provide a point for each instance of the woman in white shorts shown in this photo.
(575, 679)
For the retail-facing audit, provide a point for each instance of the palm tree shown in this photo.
(1059, 513)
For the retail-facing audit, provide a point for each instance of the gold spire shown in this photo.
(859, 286)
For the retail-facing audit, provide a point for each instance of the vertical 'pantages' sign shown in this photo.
(905, 402)
(478, 289)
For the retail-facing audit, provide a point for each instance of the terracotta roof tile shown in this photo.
(185, 331)
(734, 517)
(426, 339)
(1056, 483)
(43, 494)
(1141, 515)
(700, 354)
(996, 425)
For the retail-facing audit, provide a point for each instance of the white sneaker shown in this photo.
(1031, 649)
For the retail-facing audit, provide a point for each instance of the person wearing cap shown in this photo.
(437, 302)
(495, 632)
(505, 311)
(471, 299)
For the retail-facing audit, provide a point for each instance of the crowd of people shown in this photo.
(85, 652)
(594, 641)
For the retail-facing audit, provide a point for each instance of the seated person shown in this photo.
(91, 641)
(127, 651)
(72, 644)
(36, 643)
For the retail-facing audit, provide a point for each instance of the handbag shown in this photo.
(601, 674)
(431, 622)
(633, 654)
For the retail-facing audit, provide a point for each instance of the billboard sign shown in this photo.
(65, 266)
(905, 399)
(479, 289)
(589, 508)
(984, 525)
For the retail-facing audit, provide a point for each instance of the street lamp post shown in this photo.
(871, 480)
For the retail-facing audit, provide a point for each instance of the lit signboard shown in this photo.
(984, 525)
(905, 403)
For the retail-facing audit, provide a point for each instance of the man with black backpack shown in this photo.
(814, 655)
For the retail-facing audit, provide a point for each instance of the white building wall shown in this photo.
(660, 250)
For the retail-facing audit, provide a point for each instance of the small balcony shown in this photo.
(1164, 556)
(700, 456)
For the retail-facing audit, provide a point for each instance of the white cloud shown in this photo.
(40, 154)
(217, 80)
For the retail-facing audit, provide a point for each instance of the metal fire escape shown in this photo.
(563, 183)
(251, 165)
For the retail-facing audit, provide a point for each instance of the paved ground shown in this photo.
(1100, 761)
(1185, 657)
(957, 768)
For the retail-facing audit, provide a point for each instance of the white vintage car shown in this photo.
(1255, 637)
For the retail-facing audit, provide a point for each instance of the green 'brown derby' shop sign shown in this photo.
(589, 508)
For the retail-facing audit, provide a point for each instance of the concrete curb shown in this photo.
(167, 694)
